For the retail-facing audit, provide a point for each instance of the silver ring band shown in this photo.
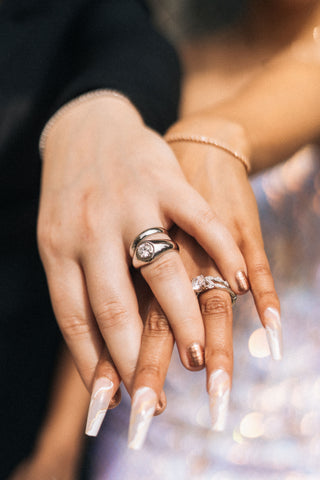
(201, 284)
(148, 251)
(142, 235)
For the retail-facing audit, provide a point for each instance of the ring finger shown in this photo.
(216, 311)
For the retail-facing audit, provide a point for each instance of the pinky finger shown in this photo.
(105, 393)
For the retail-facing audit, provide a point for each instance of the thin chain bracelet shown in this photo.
(68, 106)
(177, 137)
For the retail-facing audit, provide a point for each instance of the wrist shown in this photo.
(55, 444)
(113, 108)
(216, 133)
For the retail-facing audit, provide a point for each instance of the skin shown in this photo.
(256, 118)
(215, 305)
(98, 192)
(213, 172)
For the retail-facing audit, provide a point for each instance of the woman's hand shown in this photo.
(106, 177)
(223, 182)
(157, 345)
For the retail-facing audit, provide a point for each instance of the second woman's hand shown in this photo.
(223, 182)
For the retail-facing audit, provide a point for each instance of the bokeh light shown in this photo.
(258, 344)
(252, 426)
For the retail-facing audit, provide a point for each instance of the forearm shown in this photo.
(63, 427)
(279, 110)
(275, 112)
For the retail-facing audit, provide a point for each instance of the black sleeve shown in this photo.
(118, 48)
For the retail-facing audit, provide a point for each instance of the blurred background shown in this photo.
(273, 430)
(187, 19)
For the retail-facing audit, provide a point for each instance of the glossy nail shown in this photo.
(100, 399)
(161, 405)
(144, 403)
(242, 282)
(115, 400)
(272, 322)
(219, 393)
(195, 354)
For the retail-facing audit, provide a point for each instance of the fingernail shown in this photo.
(195, 354)
(100, 399)
(242, 282)
(144, 403)
(115, 400)
(272, 322)
(161, 405)
(219, 393)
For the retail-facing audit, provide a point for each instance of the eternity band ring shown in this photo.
(202, 284)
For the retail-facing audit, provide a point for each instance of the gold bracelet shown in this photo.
(68, 106)
(177, 137)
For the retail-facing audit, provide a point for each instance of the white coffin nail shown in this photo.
(272, 321)
(219, 393)
(143, 407)
(100, 399)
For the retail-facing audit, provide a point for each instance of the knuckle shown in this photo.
(219, 351)
(75, 326)
(157, 325)
(265, 294)
(163, 269)
(203, 218)
(89, 223)
(49, 241)
(112, 314)
(217, 303)
(90, 218)
(261, 269)
(150, 370)
(106, 369)
(130, 370)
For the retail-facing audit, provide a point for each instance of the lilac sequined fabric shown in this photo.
(273, 429)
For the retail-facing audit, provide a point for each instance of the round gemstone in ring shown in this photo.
(198, 283)
(145, 251)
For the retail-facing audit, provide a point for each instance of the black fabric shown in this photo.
(50, 52)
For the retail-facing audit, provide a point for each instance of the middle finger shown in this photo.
(171, 286)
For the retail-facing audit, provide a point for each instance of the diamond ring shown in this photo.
(201, 284)
(145, 250)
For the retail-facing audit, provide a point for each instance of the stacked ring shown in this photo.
(201, 284)
(145, 250)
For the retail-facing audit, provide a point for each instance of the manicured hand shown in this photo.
(223, 182)
(107, 177)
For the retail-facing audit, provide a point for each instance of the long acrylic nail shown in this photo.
(272, 322)
(144, 403)
(219, 393)
(195, 354)
(242, 282)
(100, 399)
